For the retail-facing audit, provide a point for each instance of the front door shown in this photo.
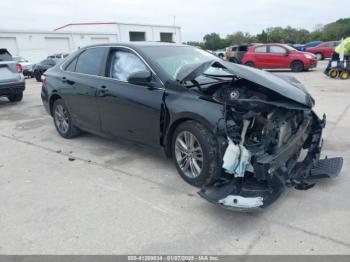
(278, 57)
(128, 110)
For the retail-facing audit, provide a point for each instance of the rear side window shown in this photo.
(91, 61)
(329, 44)
(261, 49)
(72, 65)
(277, 49)
(5, 55)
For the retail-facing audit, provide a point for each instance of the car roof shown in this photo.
(137, 44)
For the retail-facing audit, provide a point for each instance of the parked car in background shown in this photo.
(58, 56)
(303, 47)
(220, 53)
(233, 130)
(323, 50)
(12, 82)
(237, 53)
(40, 68)
(27, 66)
(278, 56)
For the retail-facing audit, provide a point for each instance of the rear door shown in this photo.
(261, 57)
(128, 110)
(278, 57)
(80, 81)
(328, 49)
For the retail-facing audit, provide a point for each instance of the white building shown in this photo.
(37, 45)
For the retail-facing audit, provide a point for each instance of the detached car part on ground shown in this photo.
(12, 82)
(242, 134)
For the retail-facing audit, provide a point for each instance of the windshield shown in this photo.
(172, 58)
(290, 48)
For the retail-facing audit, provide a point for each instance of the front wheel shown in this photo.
(250, 64)
(16, 98)
(63, 121)
(319, 56)
(297, 66)
(194, 150)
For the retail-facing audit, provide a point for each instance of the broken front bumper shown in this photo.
(273, 173)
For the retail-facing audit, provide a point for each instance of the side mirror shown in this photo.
(140, 78)
(287, 53)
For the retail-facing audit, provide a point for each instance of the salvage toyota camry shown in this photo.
(243, 135)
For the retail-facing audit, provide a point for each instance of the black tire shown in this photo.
(234, 60)
(221, 56)
(344, 75)
(250, 64)
(67, 132)
(319, 56)
(297, 66)
(16, 98)
(208, 144)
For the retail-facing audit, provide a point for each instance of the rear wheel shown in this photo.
(333, 73)
(319, 56)
(297, 66)
(63, 121)
(16, 98)
(251, 64)
(344, 75)
(194, 150)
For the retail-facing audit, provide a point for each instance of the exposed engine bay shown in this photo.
(269, 143)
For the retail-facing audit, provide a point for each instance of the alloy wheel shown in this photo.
(319, 56)
(189, 154)
(61, 119)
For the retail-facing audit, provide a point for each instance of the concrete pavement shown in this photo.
(119, 197)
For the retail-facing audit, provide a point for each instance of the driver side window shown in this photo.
(123, 64)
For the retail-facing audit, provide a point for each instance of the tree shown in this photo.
(213, 41)
(333, 31)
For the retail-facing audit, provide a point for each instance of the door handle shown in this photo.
(65, 80)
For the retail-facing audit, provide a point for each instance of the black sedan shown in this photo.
(40, 68)
(241, 134)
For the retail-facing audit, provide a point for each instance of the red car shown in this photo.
(323, 50)
(278, 56)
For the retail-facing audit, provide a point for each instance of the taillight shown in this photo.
(19, 68)
(43, 79)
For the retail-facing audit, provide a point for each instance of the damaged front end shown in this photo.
(270, 139)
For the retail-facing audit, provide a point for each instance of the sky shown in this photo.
(196, 17)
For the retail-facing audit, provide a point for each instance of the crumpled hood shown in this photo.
(286, 86)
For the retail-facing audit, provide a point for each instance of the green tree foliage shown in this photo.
(337, 30)
(333, 31)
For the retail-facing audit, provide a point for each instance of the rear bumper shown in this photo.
(11, 88)
(45, 99)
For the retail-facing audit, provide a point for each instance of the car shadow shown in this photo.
(5, 102)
